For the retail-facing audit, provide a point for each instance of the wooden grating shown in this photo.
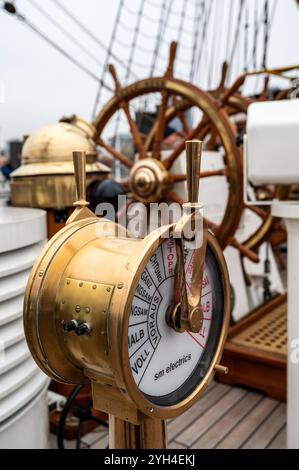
(269, 333)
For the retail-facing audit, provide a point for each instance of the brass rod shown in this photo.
(193, 160)
(79, 159)
(221, 369)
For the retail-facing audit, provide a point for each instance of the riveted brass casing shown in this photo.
(89, 273)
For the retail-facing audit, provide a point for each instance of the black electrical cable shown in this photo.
(10, 8)
(67, 406)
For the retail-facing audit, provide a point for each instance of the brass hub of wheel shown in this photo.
(148, 180)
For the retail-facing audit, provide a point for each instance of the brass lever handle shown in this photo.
(189, 315)
(79, 159)
(193, 161)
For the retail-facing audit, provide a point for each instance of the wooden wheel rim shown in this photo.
(205, 102)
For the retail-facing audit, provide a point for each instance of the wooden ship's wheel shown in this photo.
(150, 176)
(235, 105)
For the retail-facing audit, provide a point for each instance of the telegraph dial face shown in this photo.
(166, 365)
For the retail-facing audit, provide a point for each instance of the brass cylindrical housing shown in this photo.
(89, 273)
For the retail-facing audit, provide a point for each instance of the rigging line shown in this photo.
(229, 28)
(154, 4)
(151, 20)
(31, 26)
(258, 25)
(255, 38)
(220, 30)
(135, 37)
(174, 29)
(132, 12)
(203, 36)
(266, 33)
(236, 37)
(164, 12)
(196, 43)
(127, 46)
(182, 20)
(132, 53)
(246, 36)
(197, 17)
(65, 32)
(87, 31)
(179, 13)
(107, 59)
(239, 49)
(213, 46)
(271, 20)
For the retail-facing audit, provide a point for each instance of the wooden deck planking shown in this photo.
(231, 419)
(210, 417)
(224, 418)
(250, 424)
(214, 393)
(268, 430)
(280, 440)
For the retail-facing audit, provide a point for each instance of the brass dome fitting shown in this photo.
(49, 150)
(45, 177)
(148, 180)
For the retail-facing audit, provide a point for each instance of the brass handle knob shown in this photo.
(79, 158)
(221, 369)
(193, 160)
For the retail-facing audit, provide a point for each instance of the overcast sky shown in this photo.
(38, 85)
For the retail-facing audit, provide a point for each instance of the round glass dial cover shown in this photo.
(166, 365)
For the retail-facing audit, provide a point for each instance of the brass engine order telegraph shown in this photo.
(144, 321)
